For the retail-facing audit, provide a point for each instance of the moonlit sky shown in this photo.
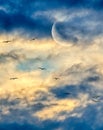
(51, 65)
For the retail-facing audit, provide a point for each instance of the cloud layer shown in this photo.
(67, 89)
(35, 18)
(44, 85)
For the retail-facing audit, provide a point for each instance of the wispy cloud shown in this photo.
(44, 85)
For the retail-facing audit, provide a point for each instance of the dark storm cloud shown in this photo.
(19, 14)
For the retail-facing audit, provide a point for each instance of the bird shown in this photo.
(41, 68)
(13, 78)
(67, 93)
(6, 41)
(56, 78)
(33, 38)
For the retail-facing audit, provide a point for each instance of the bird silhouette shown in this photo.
(6, 41)
(41, 68)
(67, 93)
(33, 38)
(56, 78)
(13, 78)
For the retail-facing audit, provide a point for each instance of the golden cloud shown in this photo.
(29, 83)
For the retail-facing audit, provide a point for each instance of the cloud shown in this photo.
(29, 17)
(12, 55)
(61, 96)
(36, 94)
(23, 23)
(53, 112)
(79, 28)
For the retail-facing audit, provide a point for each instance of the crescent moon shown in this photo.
(56, 36)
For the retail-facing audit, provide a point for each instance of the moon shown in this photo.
(56, 36)
(62, 35)
(76, 31)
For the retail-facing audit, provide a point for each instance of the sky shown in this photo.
(51, 67)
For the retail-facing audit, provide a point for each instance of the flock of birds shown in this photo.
(9, 41)
(94, 98)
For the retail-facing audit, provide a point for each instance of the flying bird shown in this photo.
(33, 38)
(13, 78)
(56, 78)
(7, 41)
(68, 93)
(41, 68)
